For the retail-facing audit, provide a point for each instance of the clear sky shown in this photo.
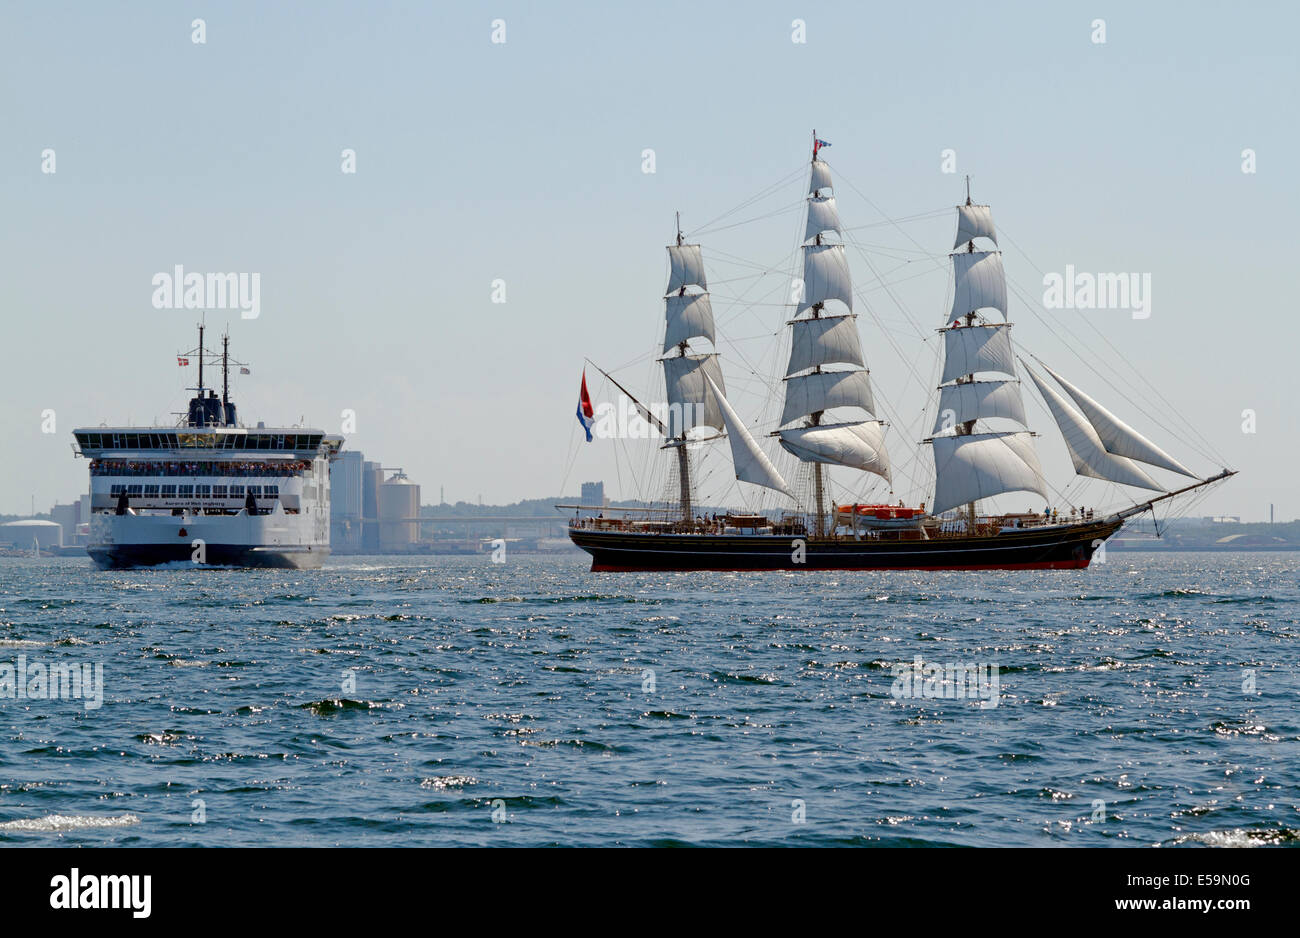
(522, 161)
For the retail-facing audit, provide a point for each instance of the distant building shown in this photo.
(593, 493)
(346, 501)
(68, 517)
(372, 476)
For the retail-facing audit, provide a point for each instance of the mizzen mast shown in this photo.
(688, 315)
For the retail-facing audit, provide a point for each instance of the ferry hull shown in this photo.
(126, 556)
(1061, 547)
(275, 539)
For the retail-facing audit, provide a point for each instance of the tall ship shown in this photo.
(208, 491)
(976, 429)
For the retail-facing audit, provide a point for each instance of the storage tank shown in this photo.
(27, 533)
(399, 500)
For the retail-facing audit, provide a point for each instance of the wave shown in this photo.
(443, 782)
(69, 822)
(1239, 837)
(332, 705)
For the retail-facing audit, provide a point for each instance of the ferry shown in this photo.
(208, 491)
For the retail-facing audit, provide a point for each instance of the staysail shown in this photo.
(1118, 437)
(1086, 450)
(750, 462)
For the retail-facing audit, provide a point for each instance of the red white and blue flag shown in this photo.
(817, 145)
(586, 414)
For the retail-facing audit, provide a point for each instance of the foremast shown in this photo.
(973, 463)
(821, 336)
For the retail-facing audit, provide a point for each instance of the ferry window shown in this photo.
(272, 491)
(236, 491)
(116, 441)
(134, 490)
(151, 491)
(218, 491)
(115, 490)
(186, 491)
(202, 491)
(255, 491)
(169, 491)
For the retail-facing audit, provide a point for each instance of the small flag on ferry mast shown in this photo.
(182, 362)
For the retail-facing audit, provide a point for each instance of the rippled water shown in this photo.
(582, 708)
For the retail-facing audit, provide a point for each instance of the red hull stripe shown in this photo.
(805, 568)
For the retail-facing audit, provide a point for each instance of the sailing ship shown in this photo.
(208, 491)
(829, 419)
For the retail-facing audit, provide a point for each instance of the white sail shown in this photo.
(822, 217)
(1118, 437)
(979, 283)
(856, 445)
(808, 394)
(685, 376)
(959, 403)
(824, 341)
(821, 177)
(826, 276)
(1089, 456)
(971, 349)
(974, 221)
(750, 462)
(983, 465)
(689, 316)
(687, 267)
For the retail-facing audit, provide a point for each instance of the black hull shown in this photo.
(126, 556)
(1064, 547)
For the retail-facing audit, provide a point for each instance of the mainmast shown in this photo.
(688, 315)
(970, 465)
(823, 338)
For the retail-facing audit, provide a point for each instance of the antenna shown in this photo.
(225, 374)
(200, 359)
(968, 189)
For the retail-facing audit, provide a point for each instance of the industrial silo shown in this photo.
(399, 504)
